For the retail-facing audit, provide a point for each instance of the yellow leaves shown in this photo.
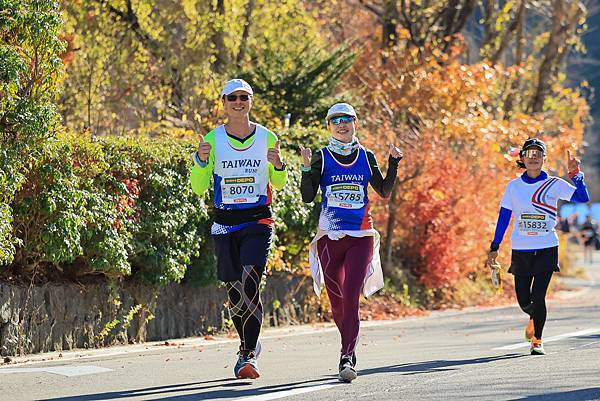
(504, 15)
(403, 34)
(437, 194)
(189, 9)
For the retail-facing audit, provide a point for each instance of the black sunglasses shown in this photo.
(233, 98)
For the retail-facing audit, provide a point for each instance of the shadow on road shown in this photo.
(233, 388)
(584, 394)
(436, 366)
(226, 390)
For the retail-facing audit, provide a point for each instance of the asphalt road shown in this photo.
(477, 354)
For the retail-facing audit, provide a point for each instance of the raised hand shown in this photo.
(306, 155)
(395, 152)
(203, 149)
(274, 157)
(573, 163)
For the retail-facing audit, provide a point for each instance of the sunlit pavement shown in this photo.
(478, 353)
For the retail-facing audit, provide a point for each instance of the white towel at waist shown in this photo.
(374, 278)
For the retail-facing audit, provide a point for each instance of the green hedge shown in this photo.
(116, 207)
(124, 207)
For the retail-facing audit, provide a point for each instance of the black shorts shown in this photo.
(248, 246)
(530, 263)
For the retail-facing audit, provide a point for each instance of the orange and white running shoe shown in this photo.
(536, 347)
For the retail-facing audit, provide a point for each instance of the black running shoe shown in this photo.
(346, 368)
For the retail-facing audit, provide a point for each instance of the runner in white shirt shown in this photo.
(532, 200)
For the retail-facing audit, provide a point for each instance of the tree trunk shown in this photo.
(389, 24)
(564, 23)
(516, 22)
(391, 223)
(519, 51)
(246, 33)
(129, 18)
(218, 38)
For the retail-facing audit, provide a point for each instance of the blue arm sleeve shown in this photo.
(501, 226)
(581, 194)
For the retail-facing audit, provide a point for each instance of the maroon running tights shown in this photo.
(344, 263)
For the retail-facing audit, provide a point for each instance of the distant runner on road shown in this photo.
(589, 236)
(344, 255)
(533, 199)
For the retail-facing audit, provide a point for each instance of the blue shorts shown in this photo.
(248, 246)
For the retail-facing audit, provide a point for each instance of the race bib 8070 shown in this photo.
(236, 190)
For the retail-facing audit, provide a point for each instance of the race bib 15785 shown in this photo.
(346, 196)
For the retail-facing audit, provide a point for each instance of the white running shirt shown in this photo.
(534, 211)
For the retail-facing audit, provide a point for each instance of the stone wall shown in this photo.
(57, 317)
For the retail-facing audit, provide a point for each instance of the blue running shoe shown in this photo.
(246, 366)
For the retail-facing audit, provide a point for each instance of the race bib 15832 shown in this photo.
(533, 224)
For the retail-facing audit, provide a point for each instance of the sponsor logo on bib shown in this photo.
(240, 180)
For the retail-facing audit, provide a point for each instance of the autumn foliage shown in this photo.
(456, 134)
(144, 70)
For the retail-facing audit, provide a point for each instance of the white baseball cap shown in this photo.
(236, 85)
(340, 109)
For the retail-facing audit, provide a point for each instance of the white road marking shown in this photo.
(69, 370)
(288, 393)
(551, 339)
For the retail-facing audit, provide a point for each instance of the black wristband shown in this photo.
(494, 247)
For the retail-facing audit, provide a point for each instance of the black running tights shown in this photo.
(245, 306)
(531, 295)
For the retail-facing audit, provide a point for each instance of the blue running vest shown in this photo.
(345, 202)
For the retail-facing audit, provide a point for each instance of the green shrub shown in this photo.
(113, 207)
(30, 71)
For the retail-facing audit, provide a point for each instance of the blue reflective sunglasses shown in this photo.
(341, 119)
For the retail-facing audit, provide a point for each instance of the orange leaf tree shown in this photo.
(450, 119)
